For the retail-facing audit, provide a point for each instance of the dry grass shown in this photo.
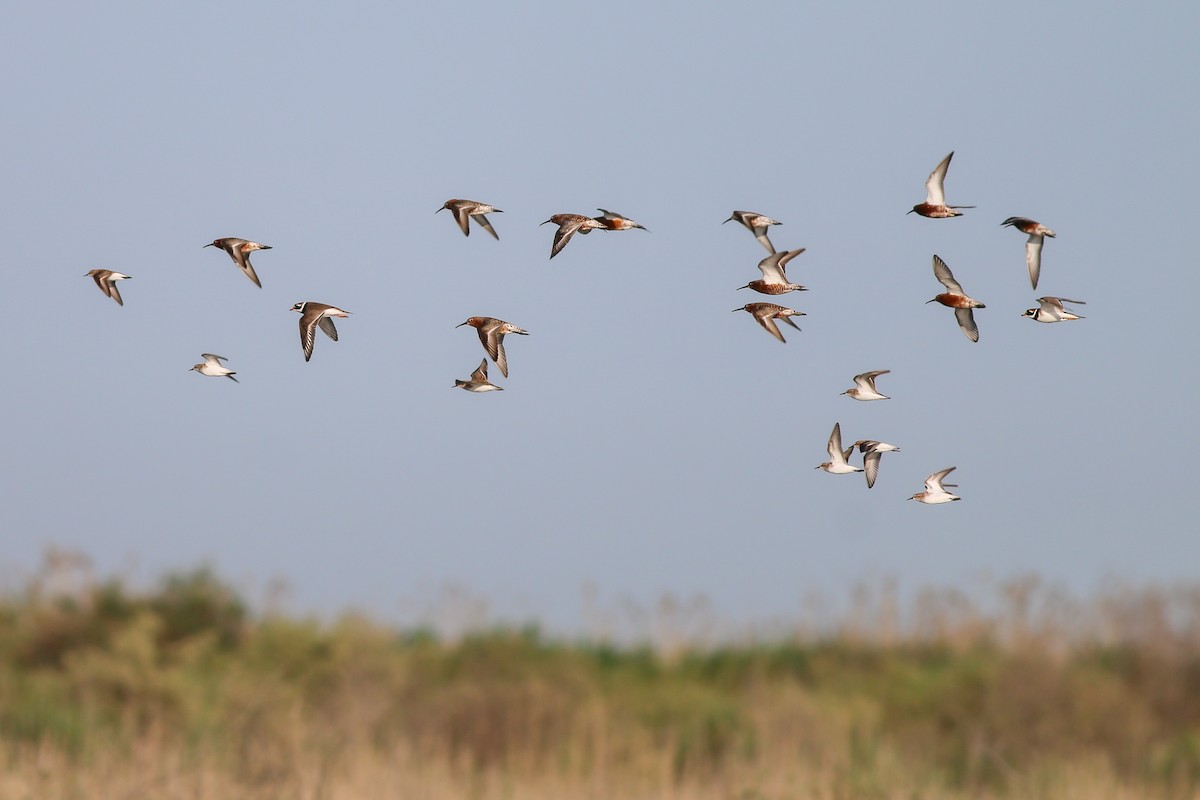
(180, 693)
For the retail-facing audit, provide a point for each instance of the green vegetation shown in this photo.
(181, 692)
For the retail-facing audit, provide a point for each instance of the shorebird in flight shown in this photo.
(1052, 310)
(757, 224)
(107, 279)
(213, 368)
(935, 491)
(774, 278)
(767, 313)
(466, 210)
(313, 316)
(239, 250)
(491, 334)
(568, 224)
(839, 460)
(957, 299)
(935, 194)
(479, 381)
(1033, 245)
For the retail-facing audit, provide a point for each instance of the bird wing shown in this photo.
(835, 444)
(210, 358)
(1033, 257)
(242, 259)
(871, 466)
(308, 332)
(769, 324)
(326, 324)
(966, 321)
(771, 268)
(760, 233)
(943, 274)
(463, 218)
(934, 482)
(787, 256)
(481, 373)
(487, 226)
(935, 193)
(493, 342)
(100, 276)
(564, 234)
(867, 379)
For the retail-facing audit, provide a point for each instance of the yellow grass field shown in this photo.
(180, 692)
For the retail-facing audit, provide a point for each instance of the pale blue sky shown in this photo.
(648, 440)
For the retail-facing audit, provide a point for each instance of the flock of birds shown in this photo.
(774, 281)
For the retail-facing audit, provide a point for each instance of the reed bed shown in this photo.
(179, 691)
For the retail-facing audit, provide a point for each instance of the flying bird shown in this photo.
(757, 224)
(838, 463)
(1033, 245)
(313, 316)
(935, 491)
(872, 451)
(239, 250)
(467, 210)
(864, 386)
(613, 221)
(956, 299)
(568, 224)
(935, 194)
(479, 381)
(107, 279)
(491, 333)
(1052, 310)
(213, 368)
(774, 276)
(767, 313)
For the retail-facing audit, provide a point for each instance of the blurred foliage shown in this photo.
(980, 706)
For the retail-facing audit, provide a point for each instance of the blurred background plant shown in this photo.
(179, 690)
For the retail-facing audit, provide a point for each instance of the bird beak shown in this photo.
(459, 325)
